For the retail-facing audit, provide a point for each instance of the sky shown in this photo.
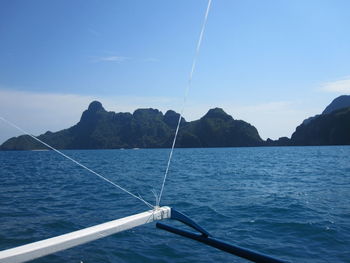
(270, 63)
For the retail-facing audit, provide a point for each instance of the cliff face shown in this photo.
(145, 128)
(325, 129)
(332, 127)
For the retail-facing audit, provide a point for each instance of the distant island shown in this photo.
(331, 127)
(145, 128)
(150, 128)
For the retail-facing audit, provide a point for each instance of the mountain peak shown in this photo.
(172, 118)
(95, 106)
(91, 113)
(147, 112)
(337, 104)
(217, 113)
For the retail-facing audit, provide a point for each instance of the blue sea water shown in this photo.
(289, 202)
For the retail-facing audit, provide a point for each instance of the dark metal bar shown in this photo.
(235, 250)
(204, 238)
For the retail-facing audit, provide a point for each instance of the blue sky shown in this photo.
(271, 63)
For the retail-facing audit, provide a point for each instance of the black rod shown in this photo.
(235, 250)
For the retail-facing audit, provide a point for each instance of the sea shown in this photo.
(292, 203)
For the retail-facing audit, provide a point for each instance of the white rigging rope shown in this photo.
(76, 162)
(189, 84)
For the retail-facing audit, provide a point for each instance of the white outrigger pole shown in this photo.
(55, 244)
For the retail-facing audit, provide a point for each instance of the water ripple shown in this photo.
(290, 202)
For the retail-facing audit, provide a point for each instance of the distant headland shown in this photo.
(150, 128)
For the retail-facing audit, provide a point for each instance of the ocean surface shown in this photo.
(289, 202)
